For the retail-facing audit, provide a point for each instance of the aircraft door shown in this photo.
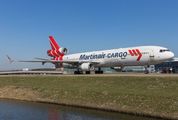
(152, 56)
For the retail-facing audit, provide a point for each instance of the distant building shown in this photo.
(25, 69)
(175, 59)
(169, 66)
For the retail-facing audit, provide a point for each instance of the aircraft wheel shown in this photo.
(87, 72)
(99, 72)
(75, 72)
(78, 72)
(146, 71)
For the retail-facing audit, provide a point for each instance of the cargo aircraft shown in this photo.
(114, 58)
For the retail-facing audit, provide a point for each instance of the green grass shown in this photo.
(153, 95)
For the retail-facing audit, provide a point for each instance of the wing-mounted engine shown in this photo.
(58, 52)
(86, 67)
(118, 69)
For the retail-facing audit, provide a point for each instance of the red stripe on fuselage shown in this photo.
(134, 52)
(131, 53)
(140, 55)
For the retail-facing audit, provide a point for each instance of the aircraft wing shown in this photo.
(43, 61)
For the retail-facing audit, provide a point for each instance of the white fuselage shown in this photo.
(116, 58)
(133, 56)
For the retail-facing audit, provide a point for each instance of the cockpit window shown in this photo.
(163, 50)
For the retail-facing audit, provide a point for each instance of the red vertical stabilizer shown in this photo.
(53, 43)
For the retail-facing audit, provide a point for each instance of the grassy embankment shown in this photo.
(150, 96)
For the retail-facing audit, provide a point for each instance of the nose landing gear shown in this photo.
(146, 70)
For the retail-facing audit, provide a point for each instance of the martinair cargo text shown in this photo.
(115, 58)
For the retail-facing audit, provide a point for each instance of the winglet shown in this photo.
(9, 59)
(53, 43)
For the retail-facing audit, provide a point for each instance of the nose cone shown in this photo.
(165, 56)
(171, 55)
(168, 56)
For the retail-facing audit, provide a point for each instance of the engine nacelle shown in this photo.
(63, 50)
(59, 52)
(86, 67)
(119, 69)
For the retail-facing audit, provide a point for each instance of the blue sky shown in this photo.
(83, 25)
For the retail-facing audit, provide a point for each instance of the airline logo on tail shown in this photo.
(53, 43)
(136, 52)
(56, 51)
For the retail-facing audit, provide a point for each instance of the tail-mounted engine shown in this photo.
(59, 52)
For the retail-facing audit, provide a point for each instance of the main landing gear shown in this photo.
(87, 72)
(99, 71)
(78, 72)
(146, 70)
(81, 72)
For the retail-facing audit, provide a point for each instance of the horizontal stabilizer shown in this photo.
(9, 58)
(42, 58)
